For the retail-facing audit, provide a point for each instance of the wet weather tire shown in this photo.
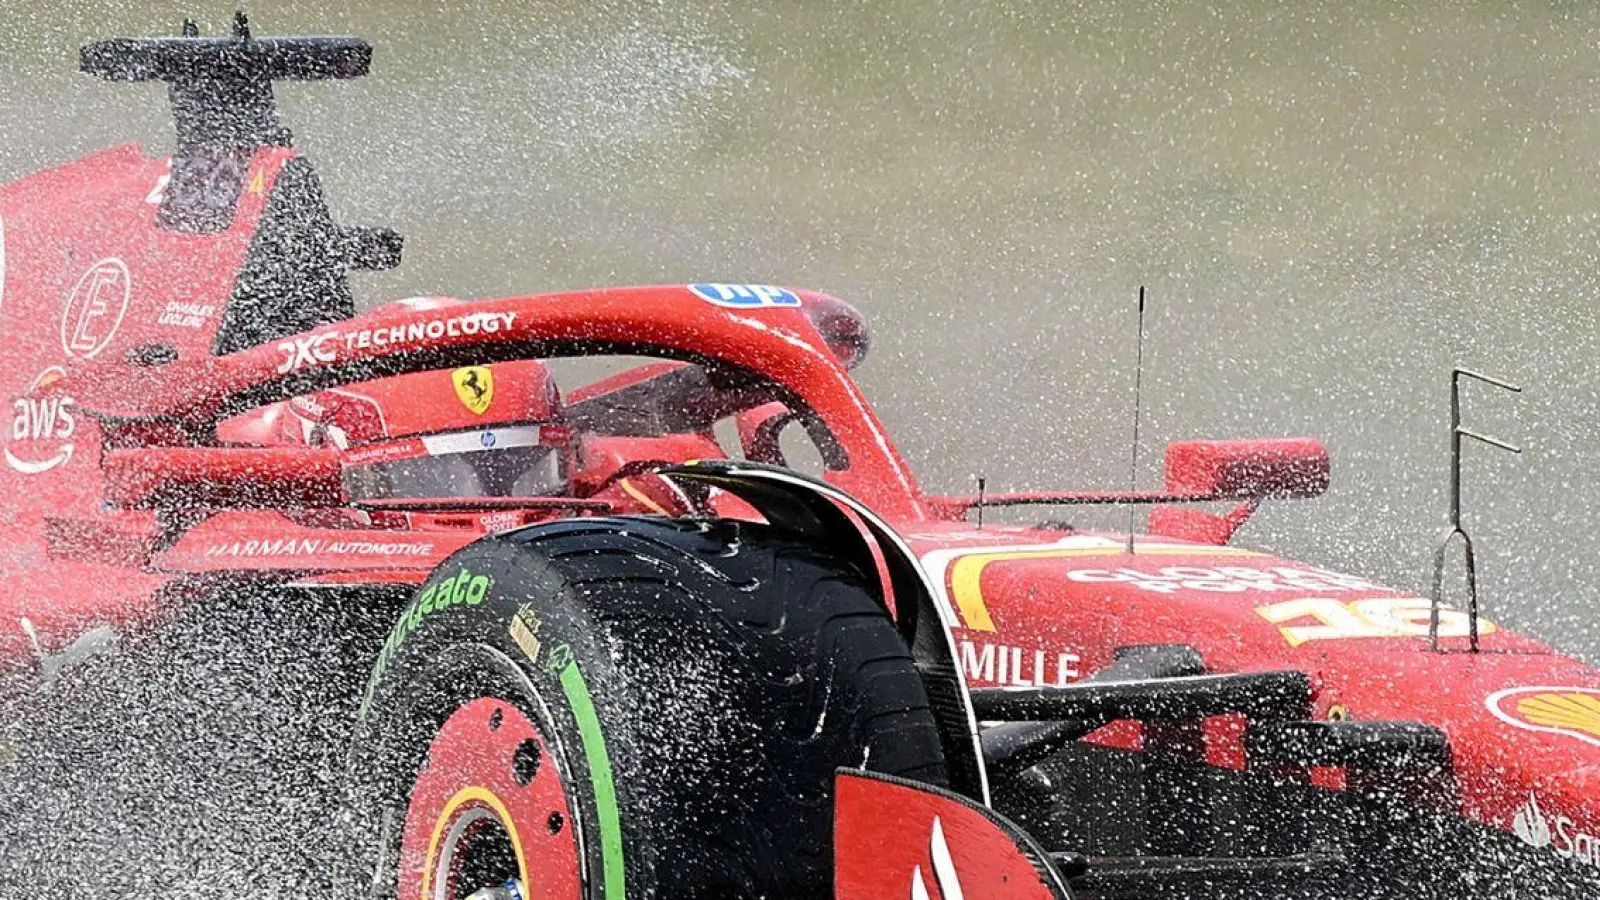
(696, 685)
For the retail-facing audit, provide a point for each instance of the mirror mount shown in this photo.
(759, 430)
(1246, 471)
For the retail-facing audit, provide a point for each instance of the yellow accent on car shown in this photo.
(966, 573)
(477, 796)
(474, 387)
(1575, 711)
(642, 497)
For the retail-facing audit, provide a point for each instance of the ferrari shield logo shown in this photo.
(474, 387)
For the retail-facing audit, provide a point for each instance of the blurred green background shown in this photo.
(1331, 204)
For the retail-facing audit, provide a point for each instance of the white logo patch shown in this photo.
(95, 308)
(41, 428)
(1555, 832)
(325, 347)
(1227, 579)
(944, 870)
(1530, 824)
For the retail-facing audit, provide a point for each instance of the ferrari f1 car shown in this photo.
(301, 601)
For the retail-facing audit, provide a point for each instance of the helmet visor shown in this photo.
(499, 462)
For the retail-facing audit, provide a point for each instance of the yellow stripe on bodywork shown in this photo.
(966, 573)
(642, 497)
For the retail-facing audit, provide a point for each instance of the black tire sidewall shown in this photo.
(455, 643)
(728, 669)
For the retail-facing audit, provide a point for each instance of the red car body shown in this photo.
(108, 325)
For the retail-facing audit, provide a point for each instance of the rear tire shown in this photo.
(696, 686)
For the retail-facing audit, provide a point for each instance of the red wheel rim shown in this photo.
(490, 804)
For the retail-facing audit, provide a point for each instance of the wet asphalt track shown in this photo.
(1330, 202)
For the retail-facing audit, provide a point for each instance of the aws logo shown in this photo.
(1570, 711)
(41, 427)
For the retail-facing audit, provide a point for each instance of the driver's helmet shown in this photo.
(476, 431)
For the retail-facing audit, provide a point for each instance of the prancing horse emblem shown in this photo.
(475, 387)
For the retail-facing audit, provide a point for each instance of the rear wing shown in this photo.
(294, 277)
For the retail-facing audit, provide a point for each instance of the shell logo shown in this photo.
(1570, 711)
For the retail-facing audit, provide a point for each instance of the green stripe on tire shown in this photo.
(605, 789)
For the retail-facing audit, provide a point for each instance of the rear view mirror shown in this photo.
(1246, 470)
(1254, 469)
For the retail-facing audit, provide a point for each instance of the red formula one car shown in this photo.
(304, 602)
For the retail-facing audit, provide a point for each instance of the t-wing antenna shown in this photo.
(221, 88)
(1456, 434)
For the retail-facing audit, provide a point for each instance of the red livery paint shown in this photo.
(166, 428)
(897, 839)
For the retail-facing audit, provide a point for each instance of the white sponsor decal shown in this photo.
(1017, 666)
(1227, 579)
(744, 296)
(1551, 709)
(1560, 834)
(41, 428)
(308, 350)
(936, 562)
(945, 877)
(495, 522)
(317, 547)
(1373, 617)
(158, 194)
(325, 347)
(95, 308)
(478, 441)
(186, 315)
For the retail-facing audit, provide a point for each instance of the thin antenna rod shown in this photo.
(979, 504)
(1456, 529)
(1138, 395)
